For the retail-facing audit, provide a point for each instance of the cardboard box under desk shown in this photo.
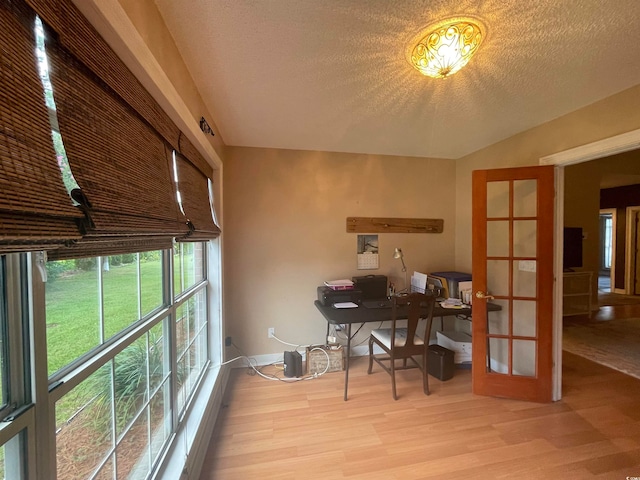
(316, 359)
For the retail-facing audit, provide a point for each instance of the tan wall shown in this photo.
(606, 118)
(582, 199)
(582, 208)
(285, 232)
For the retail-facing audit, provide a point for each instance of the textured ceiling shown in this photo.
(331, 75)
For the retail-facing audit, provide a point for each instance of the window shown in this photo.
(606, 238)
(4, 377)
(189, 266)
(16, 411)
(191, 328)
(93, 299)
(117, 419)
(12, 459)
(125, 354)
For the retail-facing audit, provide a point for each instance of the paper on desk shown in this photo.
(452, 303)
(465, 289)
(342, 284)
(345, 305)
(419, 282)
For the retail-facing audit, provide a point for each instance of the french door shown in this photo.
(513, 221)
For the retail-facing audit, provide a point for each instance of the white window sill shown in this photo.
(188, 448)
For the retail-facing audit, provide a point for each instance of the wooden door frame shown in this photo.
(591, 151)
(630, 251)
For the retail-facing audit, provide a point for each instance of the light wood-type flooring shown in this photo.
(304, 430)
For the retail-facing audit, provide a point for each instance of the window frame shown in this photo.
(27, 307)
(66, 379)
(18, 412)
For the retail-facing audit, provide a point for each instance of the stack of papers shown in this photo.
(452, 303)
(342, 284)
(419, 282)
(345, 305)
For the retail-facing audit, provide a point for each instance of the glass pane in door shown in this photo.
(497, 199)
(524, 238)
(524, 318)
(498, 239)
(524, 278)
(498, 322)
(498, 277)
(525, 193)
(499, 355)
(524, 358)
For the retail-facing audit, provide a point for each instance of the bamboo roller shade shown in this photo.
(196, 186)
(118, 160)
(118, 142)
(84, 42)
(35, 208)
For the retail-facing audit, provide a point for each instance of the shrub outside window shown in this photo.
(119, 418)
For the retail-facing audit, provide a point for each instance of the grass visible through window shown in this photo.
(73, 321)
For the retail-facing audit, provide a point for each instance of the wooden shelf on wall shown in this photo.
(394, 225)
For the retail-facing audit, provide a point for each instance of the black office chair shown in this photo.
(407, 341)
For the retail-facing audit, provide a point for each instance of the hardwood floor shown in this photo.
(304, 430)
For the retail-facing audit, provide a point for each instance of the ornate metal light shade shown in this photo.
(446, 49)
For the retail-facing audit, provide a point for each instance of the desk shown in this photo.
(349, 316)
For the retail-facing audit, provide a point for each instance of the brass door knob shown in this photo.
(480, 294)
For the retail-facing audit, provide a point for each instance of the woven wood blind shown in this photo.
(118, 142)
(35, 209)
(120, 163)
(85, 43)
(194, 190)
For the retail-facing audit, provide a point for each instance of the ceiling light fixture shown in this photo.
(445, 48)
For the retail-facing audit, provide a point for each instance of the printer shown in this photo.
(328, 296)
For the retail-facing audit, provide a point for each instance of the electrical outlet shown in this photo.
(228, 342)
(271, 332)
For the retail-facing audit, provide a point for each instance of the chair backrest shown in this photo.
(412, 307)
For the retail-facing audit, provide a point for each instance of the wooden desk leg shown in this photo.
(346, 362)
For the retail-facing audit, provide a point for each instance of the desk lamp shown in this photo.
(398, 254)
